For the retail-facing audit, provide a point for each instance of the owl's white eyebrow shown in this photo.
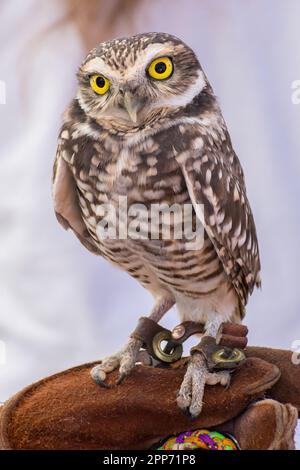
(155, 50)
(96, 65)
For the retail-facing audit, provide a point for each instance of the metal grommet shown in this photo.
(172, 352)
(178, 332)
(226, 356)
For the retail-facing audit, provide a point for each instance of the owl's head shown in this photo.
(130, 81)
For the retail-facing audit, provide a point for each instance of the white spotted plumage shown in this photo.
(179, 151)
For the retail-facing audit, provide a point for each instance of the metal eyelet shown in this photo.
(227, 356)
(172, 351)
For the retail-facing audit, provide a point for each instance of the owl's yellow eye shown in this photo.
(161, 68)
(99, 84)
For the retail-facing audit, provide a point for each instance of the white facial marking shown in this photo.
(185, 98)
(97, 65)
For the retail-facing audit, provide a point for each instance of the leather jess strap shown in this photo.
(233, 335)
(166, 346)
(145, 331)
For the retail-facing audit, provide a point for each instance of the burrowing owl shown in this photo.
(145, 125)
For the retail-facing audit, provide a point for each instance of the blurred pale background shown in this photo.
(61, 306)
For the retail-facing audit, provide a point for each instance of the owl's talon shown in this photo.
(95, 376)
(121, 378)
(186, 412)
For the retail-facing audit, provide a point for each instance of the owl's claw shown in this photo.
(190, 395)
(96, 374)
(125, 360)
(121, 378)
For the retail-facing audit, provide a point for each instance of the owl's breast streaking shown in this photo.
(145, 172)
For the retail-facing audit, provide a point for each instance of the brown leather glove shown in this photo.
(69, 411)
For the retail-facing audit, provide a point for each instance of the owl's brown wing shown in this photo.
(66, 203)
(217, 190)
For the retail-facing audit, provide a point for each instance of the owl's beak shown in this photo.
(132, 105)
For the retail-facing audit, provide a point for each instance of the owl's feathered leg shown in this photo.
(129, 355)
(190, 395)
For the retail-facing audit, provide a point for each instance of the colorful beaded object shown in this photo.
(200, 439)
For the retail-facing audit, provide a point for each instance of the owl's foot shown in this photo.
(190, 395)
(125, 360)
